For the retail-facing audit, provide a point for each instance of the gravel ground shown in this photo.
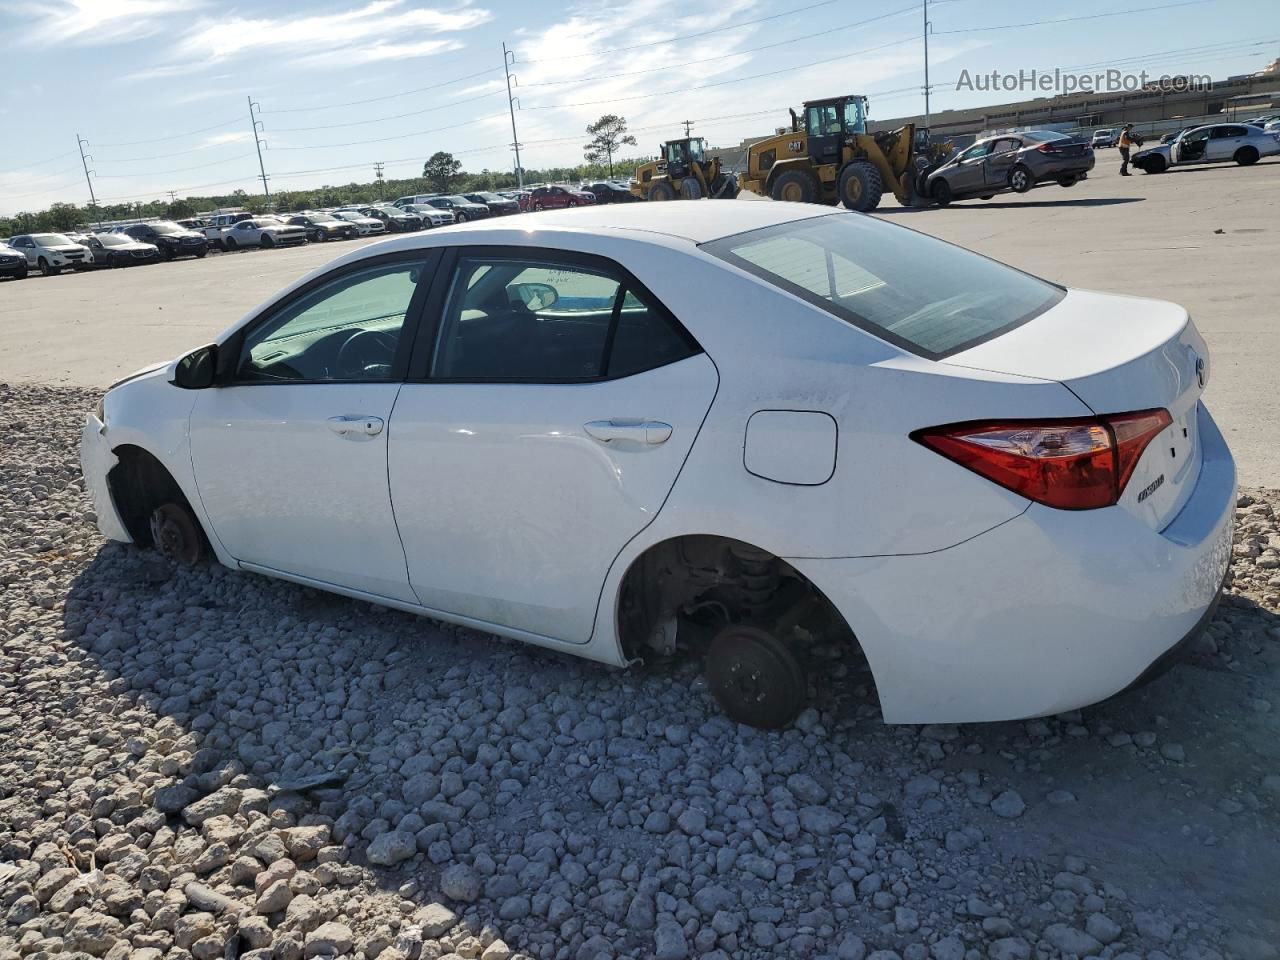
(199, 763)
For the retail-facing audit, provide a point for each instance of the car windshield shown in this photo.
(165, 227)
(487, 196)
(51, 239)
(922, 294)
(456, 199)
(321, 218)
(113, 240)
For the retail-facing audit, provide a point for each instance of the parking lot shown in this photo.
(444, 794)
(1202, 237)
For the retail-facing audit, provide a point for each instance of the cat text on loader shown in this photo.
(828, 157)
(683, 172)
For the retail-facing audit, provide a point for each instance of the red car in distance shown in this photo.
(557, 196)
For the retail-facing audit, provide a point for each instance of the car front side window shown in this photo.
(348, 329)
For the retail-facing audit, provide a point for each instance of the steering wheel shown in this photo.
(363, 351)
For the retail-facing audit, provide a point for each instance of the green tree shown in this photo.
(441, 170)
(63, 216)
(608, 134)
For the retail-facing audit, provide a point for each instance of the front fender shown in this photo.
(153, 415)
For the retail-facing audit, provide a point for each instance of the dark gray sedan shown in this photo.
(1014, 162)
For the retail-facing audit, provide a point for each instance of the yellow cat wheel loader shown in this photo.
(829, 157)
(683, 172)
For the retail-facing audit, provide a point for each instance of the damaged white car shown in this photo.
(629, 431)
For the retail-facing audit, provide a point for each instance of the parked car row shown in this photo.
(487, 203)
(51, 253)
(238, 229)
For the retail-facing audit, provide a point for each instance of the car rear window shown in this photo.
(926, 296)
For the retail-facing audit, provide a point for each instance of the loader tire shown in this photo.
(661, 191)
(795, 186)
(690, 189)
(860, 186)
(727, 188)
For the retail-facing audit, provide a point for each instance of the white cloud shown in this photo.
(378, 52)
(97, 22)
(379, 22)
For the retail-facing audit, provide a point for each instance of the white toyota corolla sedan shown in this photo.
(725, 428)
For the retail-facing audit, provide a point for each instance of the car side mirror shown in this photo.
(197, 369)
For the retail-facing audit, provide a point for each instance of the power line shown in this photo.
(398, 116)
(181, 153)
(401, 136)
(183, 190)
(165, 173)
(724, 56)
(721, 83)
(176, 136)
(389, 96)
(687, 36)
(58, 156)
(1091, 16)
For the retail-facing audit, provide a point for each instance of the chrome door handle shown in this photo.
(650, 432)
(356, 425)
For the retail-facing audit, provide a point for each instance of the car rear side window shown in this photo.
(645, 338)
(919, 293)
(528, 320)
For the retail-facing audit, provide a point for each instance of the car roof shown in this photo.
(698, 221)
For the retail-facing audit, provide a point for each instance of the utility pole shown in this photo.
(377, 172)
(927, 27)
(255, 126)
(688, 125)
(173, 195)
(81, 142)
(508, 58)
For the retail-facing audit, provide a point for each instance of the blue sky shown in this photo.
(159, 87)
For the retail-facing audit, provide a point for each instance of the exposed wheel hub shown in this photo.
(175, 534)
(755, 677)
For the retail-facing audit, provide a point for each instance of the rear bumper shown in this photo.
(1071, 167)
(1050, 611)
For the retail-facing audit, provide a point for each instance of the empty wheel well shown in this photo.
(681, 590)
(139, 483)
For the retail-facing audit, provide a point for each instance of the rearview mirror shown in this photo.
(535, 296)
(196, 370)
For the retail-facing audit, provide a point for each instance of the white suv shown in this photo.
(51, 252)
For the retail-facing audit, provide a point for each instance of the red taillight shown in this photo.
(1076, 464)
(1047, 148)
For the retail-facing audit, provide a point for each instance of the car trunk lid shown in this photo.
(1118, 355)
